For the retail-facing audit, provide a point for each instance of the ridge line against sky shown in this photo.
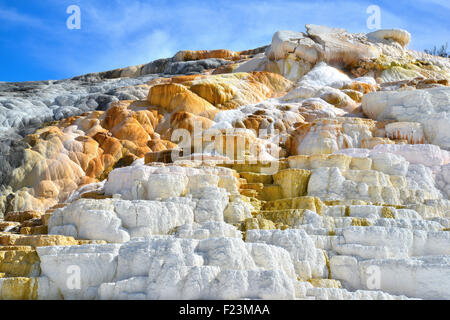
(36, 44)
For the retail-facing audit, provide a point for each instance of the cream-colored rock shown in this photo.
(429, 107)
(410, 131)
(398, 35)
(324, 136)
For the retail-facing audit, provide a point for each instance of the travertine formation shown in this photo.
(314, 168)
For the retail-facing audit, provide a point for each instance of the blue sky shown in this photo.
(35, 43)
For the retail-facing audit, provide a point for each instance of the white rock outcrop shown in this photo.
(118, 221)
(429, 107)
(171, 268)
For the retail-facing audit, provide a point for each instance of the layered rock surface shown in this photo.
(315, 168)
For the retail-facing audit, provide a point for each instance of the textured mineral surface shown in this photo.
(317, 167)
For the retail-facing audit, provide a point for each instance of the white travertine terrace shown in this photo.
(355, 128)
